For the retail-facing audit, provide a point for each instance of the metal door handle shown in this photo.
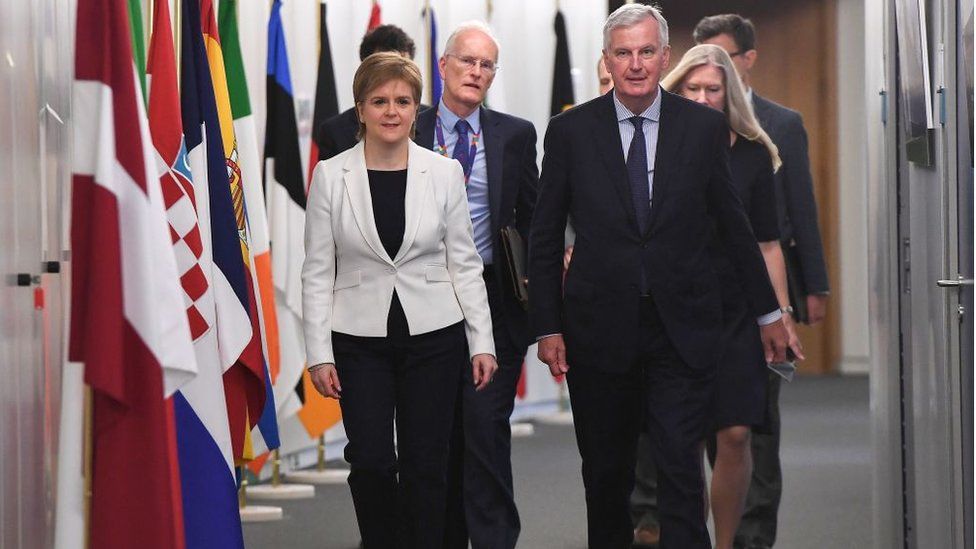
(960, 281)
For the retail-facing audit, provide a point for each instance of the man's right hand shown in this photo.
(552, 351)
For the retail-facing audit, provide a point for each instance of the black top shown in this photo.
(752, 176)
(388, 190)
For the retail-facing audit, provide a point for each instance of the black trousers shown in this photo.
(481, 502)
(670, 399)
(399, 494)
(758, 527)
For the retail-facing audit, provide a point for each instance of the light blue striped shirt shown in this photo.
(477, 183)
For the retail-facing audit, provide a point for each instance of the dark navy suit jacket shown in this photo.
(584, 175)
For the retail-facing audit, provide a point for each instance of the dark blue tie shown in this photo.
(461, 148)
(637, 174)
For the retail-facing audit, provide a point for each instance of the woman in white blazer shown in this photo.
(394, 306)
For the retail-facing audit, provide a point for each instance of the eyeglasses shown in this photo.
(469, 62)
(735, 53)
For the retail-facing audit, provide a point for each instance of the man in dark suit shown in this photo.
(802, 249)
(338, 134)
(637, 327)
(497, 153)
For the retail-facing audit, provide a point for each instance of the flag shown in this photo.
(326, 98)
(252, 364)
(375, 18)
(256, 214)
(286, 211)
(433, 74)
(127, 326)
(239, 345)
(562, 78)
(318, 413)
(208, 484)
(138, 43)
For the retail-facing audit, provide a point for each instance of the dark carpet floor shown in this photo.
(826, 457)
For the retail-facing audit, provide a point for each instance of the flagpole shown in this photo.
(320, 465)
(430, 50)
(88, 441)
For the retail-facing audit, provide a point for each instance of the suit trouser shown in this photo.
(481, 501)
(757, 530)
(608, 407)
(399, 494)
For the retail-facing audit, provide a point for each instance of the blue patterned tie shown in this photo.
(461, 147)
(637, 174)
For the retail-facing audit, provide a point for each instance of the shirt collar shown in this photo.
(749, 95)
(652, 113)
(449, 119)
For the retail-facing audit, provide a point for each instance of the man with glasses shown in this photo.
(497, 154)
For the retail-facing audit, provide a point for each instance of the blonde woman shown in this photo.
(706, 75)
(394, 307)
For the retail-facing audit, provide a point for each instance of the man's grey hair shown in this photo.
(629, 15)
(473, 25)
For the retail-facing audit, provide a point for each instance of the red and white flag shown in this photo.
(128, 321)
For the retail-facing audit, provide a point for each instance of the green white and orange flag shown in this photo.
(267, 421)
(283, 375)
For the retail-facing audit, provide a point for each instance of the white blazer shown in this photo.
(348, 278)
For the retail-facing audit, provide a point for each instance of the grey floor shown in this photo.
(826, 463)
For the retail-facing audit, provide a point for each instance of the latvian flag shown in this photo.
(128, 321)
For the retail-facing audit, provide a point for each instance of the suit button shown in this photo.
(645, 245)
(391, 270)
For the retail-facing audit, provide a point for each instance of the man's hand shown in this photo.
(552, 351)
(326, 381)
(794, 340)
(816, 308)
(483, 367)
(775, 340)
(567, 257)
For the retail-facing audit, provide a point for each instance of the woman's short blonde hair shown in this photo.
(380, 68)
(738, 110)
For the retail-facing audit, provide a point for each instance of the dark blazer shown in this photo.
(337, 134)
(513, 179)
(584, 175)
(795, 201)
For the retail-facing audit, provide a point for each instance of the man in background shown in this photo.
(497, 154)
(802, 248)
(338, 133)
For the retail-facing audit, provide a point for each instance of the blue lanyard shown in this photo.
(441, 148)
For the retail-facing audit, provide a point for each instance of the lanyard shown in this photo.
(441, 148)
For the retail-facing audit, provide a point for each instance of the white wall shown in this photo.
(852, 177)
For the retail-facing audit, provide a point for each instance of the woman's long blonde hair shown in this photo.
(738, 111)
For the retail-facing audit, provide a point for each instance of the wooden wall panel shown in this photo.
(796, 67)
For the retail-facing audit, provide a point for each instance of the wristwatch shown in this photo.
(788, 310)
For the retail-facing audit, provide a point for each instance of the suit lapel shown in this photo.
(425, 128)
(670, 133)
(495, 162)
(357, 187)
(606, 132)
(418, 178)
